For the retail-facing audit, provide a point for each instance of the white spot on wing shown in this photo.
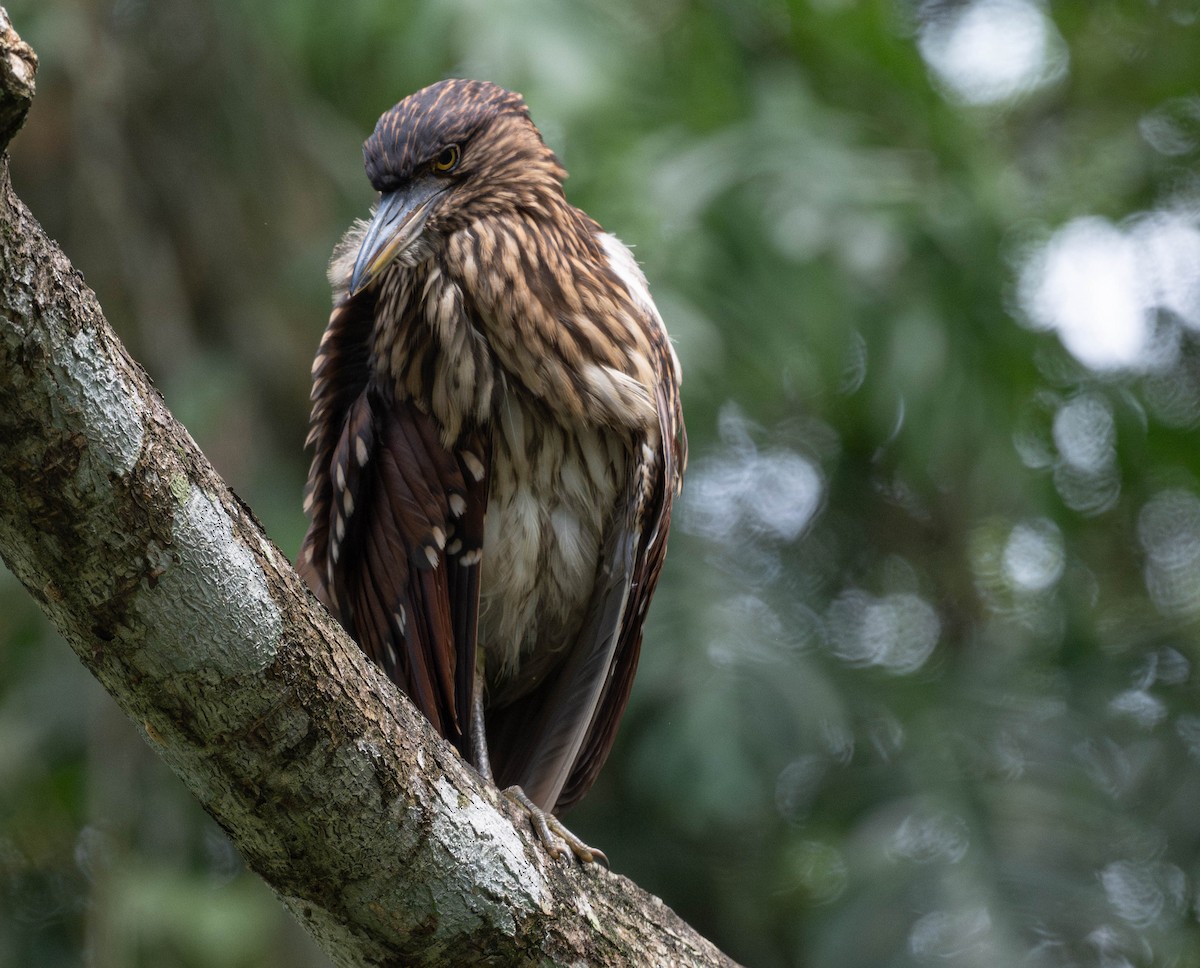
(474, 465)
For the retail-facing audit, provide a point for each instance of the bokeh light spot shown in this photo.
(897, 632)
(1033, 556)
(743, 490)
(992, 51)
(928, 837)
(947, 936)
(1169, 531)
(1098, 285)
(1141, 892)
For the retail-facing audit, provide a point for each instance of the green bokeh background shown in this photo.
(919, 685)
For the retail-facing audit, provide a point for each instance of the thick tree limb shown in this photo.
(369, 828)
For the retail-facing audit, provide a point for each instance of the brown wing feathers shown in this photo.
(394, 548)
(340, 372)
(658, 483)
(464, 551)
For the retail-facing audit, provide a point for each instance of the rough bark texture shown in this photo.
(370, 829)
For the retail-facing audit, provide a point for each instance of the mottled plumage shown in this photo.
(497, 442)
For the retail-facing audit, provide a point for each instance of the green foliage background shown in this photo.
(919, 686)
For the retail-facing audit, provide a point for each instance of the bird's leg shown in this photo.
(555, 837)
(478, 738)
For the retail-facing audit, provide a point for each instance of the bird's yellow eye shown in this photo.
(447, 159)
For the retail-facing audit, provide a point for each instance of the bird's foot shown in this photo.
(556, 838)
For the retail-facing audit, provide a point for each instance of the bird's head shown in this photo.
(451, 153)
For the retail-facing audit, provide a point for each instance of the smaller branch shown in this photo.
(18, 66)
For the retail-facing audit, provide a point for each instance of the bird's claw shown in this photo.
(555, 837)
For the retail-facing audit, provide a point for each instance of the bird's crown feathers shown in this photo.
(448, 114)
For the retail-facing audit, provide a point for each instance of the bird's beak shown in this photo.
(395, 226)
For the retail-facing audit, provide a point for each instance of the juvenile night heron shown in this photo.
(498, 441)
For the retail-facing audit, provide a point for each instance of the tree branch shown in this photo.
(371, 830)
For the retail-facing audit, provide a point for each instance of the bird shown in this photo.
(497, 441)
